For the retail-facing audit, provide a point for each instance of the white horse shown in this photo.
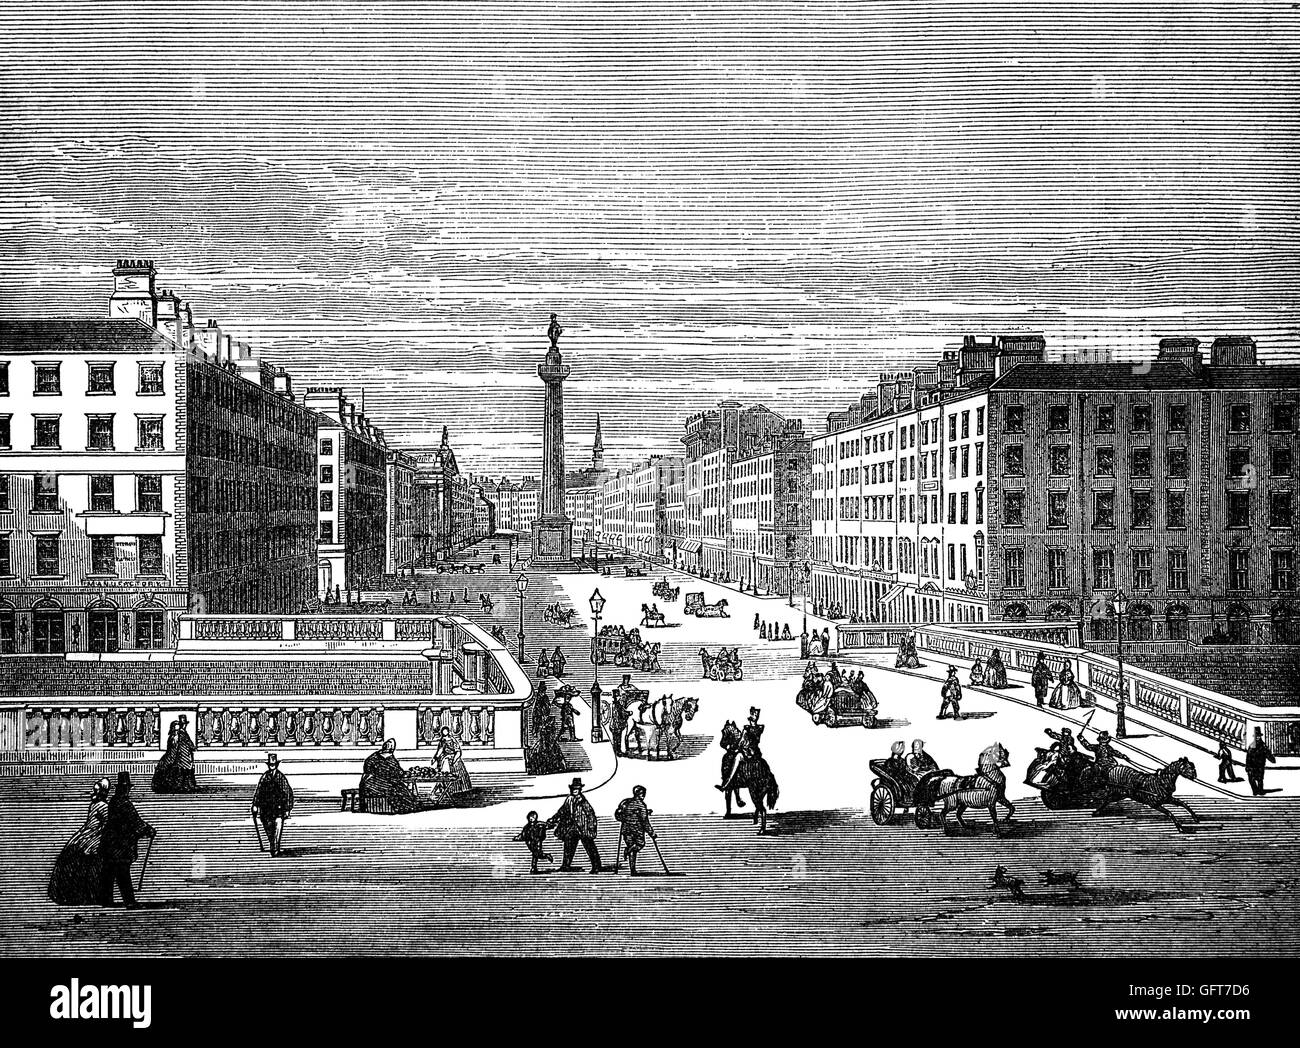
(657, 726)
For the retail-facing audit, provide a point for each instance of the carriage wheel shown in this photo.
(924, 817)
(830, 717)
(882, 805)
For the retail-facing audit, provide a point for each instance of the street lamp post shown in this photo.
(521, 584)
(597, 603)
(1121, 605)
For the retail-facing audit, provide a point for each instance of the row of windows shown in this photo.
(104, 555)
(100, 378)
(1281, 461)
(1142, 506)
(48, 431)
(1060, 568)
(1282, 418)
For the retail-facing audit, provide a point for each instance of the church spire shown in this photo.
(598, 448)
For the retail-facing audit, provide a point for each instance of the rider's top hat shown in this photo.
(754, 712)
(1103, 734)
(182, 719)
(123, 780)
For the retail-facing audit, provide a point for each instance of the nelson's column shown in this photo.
(553, 531)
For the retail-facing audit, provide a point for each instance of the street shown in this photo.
(826, 880)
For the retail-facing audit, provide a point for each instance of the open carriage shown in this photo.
(892, 793)
(665, 592)
(838, 706)
(625, 648)
(726, 665)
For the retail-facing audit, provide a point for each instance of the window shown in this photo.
(327, 501)
(1238, 569)
(148, 493)
(1283, 418)
(1058, 577)
(1142, 574)
(1015, 568)
(1178, 569)
(6, 571)
(1015, 460)
(1058, 509)
(151, 432)
(1238, 461)
(1175, 509)
(1060, 460)
(1178, 418)
(1281, 461)
(1279, 509)
(979, 503)
(1058, 417)
(1176, 462)
(327, 532)
(6, 432)
(1140, 462)
(99, 432)
(1103, 509)
(1239, 418)
(979, 422)
(1105, 419)
(47, 431)
(4, 491)
(1141, 418)
(965, 424)
(103, 554)
(979, 460)
(1103, 569)
(326, 446)
(151, 554)
(47, 379)
(1105, 462)
(47, 555)
(952, 427)
(327, 474)
(4, 378)
(1013, 509)
(151, 379)
(101, 494)
(45, 493)
(1284, 569)
(101, 378)
(952, 507)
(1238, 509)
(965, 507)
(1013, 420)
(952, 463)
(1143, 509)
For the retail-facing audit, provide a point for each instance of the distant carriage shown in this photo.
(726, 665)
(665, 592)
(713, 611)
(694, 602)
(836, 706)
(633, 571)
(554, 613)
(625, 648)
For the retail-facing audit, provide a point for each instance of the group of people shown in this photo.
(819, 644)
(726, 665)
(1065, 696)
(551, 723)
(575, 823)
(552, 664)
(909, 768)
(992, 674)
(814, 680)
(771, 630)
(383, 779)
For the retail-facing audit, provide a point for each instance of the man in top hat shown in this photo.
(272, 801)
(1256, 756)
(751, 737)
(951, 695)
(118, 846)
(1105, 758)
(1041, 678)
(622, 698)
(576, 822)
(634, 816)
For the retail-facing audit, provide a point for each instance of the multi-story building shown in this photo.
(616, 506)
(504, 496)
(449, 502)
(649, 504)
(527, 504)
(1001, 487)
(769, 512)
(675, 518)
(352, 518)
(145, 471)
(402, 543)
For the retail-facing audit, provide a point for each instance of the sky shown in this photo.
(767, 201)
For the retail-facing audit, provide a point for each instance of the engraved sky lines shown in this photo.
(766, 200)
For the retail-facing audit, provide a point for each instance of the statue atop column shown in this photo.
(553, 531)
(554, 332)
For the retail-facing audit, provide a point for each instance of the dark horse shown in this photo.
(753, 774)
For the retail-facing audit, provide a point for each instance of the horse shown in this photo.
(1154, 789)
(987, 788)
(713, 611)
(753, 774)
(657, 726)
(485, 602)
(651, 618)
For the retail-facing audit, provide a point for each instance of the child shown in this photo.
(533, 834)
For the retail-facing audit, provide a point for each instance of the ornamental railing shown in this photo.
(81, 727)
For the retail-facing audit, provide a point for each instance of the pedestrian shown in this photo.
(826, 641)
(757, 620)
(1226, 771)
(996, 677)
(977, 673)
(634, 816)
(1067, 695)
(1041, 678)
(762, 631)
(175, 770)
(272, 801)
(75, 879)
(557, 662)
(119, 843)
(574, 824)
(568, 730)
(951, 695)
(543, 664)
(1256, 756)
(785, 632)
(533, 834)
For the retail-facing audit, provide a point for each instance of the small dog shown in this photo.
(1065, 877)
(1015, 885)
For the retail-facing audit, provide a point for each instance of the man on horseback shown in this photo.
(634, 816)
(751, 736)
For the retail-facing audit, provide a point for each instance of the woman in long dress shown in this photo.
(1067, 695)
(977, 673)
(75, 880)
(996, 672)
(449, 761)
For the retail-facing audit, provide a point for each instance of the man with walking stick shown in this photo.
(633, 815)
(272, 802)
(118, 847)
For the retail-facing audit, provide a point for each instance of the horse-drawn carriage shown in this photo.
(695, 606)
(694, 602)
(836, 705)
(934, 795)
(652, 730)
(626, 648)
(726, 665)
(633, 571)
(1070, 780)
(665, 592)
(559, 616)
(898, 790)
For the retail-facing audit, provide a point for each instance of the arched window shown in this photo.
(1016, 612)
(8, 628)
(47, 628)
(1176, 621)
(1058, 612)
(1138, 621)
(1238, 624)
(1284, 615)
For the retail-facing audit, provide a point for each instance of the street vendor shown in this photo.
(382, 777)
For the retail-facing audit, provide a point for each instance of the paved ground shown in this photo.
(826, 881)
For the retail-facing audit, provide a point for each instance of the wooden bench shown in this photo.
(351, 800)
